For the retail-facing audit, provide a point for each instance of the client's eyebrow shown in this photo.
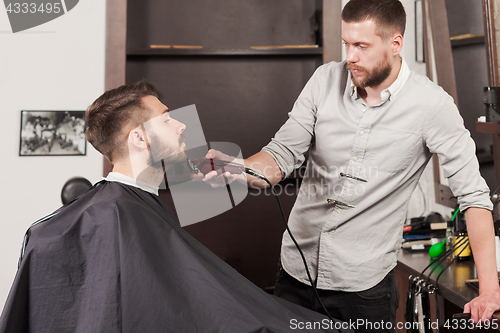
(165, 113)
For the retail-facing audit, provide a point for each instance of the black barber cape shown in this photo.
(117, 260)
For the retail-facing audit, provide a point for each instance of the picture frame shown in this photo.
(52, 133)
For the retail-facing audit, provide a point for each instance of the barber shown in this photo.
(370, 125)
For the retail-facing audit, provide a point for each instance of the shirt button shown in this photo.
(363, 110)
(361, 133)
(339, 210)
(355, 159)
(349, 185)
(326, 233)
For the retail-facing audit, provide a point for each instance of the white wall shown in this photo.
(418, 206)
(55, 66)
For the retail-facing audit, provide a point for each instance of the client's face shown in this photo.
(164, 134)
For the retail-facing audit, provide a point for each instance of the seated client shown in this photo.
(116, 258)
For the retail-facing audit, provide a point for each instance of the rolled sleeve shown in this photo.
(446, 136)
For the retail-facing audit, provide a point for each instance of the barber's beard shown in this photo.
(373, 78)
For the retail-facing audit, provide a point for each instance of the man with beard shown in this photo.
(370, 126)
(116, 258)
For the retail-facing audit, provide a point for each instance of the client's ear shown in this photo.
(137, 139)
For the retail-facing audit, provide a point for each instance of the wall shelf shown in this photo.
(488, 127)
(225, 52)
(467, 41)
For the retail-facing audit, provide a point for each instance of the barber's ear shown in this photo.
(397, 44)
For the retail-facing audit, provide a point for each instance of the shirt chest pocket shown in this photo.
(391, 151)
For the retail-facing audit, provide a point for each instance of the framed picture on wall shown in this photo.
(52, 133)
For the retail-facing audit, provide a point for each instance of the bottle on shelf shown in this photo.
(462, 252)
(450, 237)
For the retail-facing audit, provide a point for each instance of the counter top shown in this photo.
(451, 285)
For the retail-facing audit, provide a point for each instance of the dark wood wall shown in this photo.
(242, 94)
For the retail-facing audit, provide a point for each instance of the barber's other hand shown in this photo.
(483, 306)
(225, 178)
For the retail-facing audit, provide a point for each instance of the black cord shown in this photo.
(442, 258)
(258, 175)
(463, 242)
(444, 255)
(438, 260)
(454, 259)
(439, 275)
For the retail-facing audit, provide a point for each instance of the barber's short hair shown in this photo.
(117, 110)
(389, 15)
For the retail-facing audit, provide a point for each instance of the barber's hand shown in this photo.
(483, 306)
(225, 178)
(196, 176)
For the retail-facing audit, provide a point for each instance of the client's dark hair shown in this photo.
(108, 118)
(388, 15)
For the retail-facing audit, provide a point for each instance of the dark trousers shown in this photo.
(372, 310)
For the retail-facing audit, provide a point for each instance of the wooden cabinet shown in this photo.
(242, 63)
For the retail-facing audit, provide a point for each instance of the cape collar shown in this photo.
(121, 178)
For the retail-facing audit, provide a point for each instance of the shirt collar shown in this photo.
(391, 92)
(121, 178)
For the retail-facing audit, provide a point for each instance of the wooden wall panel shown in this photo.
(116, 40)
(332, 26)
(242, 99)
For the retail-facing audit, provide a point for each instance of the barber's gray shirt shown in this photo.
(389, 145)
